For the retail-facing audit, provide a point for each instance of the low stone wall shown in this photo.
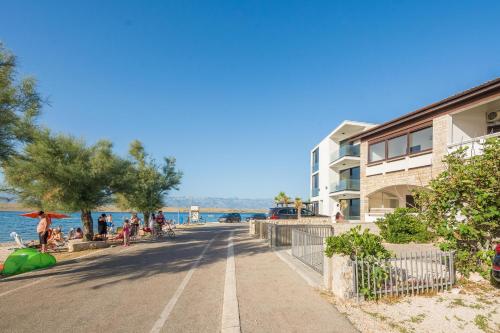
(340, 228)
(79, 245)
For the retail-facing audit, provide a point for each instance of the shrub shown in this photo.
(356, 244)
(462, 206)
(403, 226)
(365, 246)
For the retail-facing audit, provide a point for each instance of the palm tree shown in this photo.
(281, 198)
(298, 205)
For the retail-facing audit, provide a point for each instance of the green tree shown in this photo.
(462, 205)
(19, 106)
(282, 199)
(148, 182)
(63, 173)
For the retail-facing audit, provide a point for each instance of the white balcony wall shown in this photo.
(467, 125)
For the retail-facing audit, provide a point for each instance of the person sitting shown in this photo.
(56, 238)
(78, 234)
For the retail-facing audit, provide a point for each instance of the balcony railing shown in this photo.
(315, 167)
(345, 185)
(349, 150)
(315, 192)
(472, 146)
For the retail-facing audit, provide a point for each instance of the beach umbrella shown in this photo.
(51, 215)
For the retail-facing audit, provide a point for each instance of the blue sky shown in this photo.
(240, 91)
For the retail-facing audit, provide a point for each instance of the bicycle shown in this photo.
(160, 232)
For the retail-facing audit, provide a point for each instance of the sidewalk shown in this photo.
(274, 298)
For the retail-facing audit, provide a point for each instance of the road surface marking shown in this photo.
(170, 305)
(32, 283)
(230, 311)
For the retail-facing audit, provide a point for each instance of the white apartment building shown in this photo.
(371, 170)
(335, 173)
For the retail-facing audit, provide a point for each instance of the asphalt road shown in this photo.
(209, 279)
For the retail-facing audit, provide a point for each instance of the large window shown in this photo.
(397, 146)
(315, 160)
(376, 152)
(421, 140)
(409, 143)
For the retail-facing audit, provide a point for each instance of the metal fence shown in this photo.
(308, 248)
(281, 234)
(408, 274)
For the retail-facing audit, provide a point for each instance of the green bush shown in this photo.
(403, 226)
(356, 244)
(365, 246)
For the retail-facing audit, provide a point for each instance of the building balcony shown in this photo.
(473, 146)
(315, 192)
(345, 189)
(345, 157)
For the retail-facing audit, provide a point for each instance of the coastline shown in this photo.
(15, 207)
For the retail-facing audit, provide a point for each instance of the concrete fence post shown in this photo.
(342, 276)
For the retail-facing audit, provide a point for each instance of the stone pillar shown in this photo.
(338, 276)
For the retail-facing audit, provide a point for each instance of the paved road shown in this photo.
(210, 279)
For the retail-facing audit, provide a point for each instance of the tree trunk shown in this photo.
(88, 225)
(146, 218)
(299, 212)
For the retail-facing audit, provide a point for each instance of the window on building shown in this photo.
(316, 156)
(421, 140)
(315, 181)
(397, 146)
(376, 152)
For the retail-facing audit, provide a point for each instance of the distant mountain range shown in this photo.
(231, 203)
(203, 202)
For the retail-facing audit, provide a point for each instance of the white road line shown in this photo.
(171, 304)
(24, 286)
(230, 310)
(32, 283)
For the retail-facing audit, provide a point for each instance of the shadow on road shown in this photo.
(150, 258)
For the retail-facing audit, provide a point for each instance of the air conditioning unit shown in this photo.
(493, 116)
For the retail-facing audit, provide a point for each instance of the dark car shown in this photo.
(258, 216)
(230, 218)
(288, 213)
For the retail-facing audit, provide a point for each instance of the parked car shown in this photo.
(258, 216)
(288, 213)
(230, 218)
(495, 270)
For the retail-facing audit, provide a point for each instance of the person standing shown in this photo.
(102, 226)
(109, 222)
(126, 233)
(134, 221)
(43, 230)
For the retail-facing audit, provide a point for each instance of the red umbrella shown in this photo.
(51, 215)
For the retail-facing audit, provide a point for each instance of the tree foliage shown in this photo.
(19, 106)
(148, 182)
(404, 226)
(462, 205)
(63, 173)
(282, 198)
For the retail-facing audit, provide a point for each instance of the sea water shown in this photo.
(26, 227)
